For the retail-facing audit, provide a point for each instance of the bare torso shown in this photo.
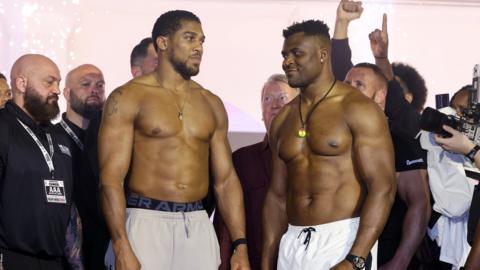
(323, 184)
(170, 156)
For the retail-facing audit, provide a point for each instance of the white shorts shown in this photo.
(320, 249)
(166, 240)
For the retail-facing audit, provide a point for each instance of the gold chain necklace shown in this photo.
(302, 132)
(179, 109)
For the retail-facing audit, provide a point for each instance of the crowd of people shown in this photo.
(344, 177)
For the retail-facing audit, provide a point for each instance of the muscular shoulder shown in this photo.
(213, 100)
(278, 121)
(360, 111)
(123, 100)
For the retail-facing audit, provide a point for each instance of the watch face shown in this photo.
(359, 263)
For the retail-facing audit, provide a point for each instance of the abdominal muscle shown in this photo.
(170, 170)
(326, 193)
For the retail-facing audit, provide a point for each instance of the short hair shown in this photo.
(169, 23)
(376, 70)
(310, 28)
(463, 89)
(274, 78)
(415, 83)
(3, 76)
(140, 51)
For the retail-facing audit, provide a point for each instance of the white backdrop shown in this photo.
(439, 38)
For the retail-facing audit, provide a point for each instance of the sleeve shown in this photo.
(341, 58)
(403, 119)
(4, 131)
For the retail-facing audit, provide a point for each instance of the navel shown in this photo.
(181, 186)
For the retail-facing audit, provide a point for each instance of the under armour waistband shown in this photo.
(137, 201)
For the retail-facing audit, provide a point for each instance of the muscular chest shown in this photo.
(326, 135)
(163, 116)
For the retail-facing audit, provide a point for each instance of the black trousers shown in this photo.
(11, 260)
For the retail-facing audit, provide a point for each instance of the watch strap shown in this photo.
(473, 152)
(357, 261)
(236, 243)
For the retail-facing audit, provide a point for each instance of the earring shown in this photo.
(321, 60)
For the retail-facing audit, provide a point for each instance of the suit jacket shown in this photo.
(253, 166)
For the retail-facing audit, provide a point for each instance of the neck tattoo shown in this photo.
(302, 132)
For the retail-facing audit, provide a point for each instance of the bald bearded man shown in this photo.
(35, 170)
(85, 95)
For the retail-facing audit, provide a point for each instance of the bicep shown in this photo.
(372, 144)
(220, 151)
(115, 137)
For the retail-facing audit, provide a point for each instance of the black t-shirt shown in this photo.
(28, 223)
(86, 192)
(409, 155)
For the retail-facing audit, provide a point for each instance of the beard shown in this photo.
(181, 67)
(83, 108)
(42, 111)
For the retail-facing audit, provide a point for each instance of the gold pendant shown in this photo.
(180, 116)
(302, 133)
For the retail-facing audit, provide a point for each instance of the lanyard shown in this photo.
(72, 134)
(46, 155)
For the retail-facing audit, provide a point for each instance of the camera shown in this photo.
(468, 124)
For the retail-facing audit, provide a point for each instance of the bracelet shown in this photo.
(472, 153)
(236, 243)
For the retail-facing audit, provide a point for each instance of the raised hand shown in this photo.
(379, 40)
(349, 10)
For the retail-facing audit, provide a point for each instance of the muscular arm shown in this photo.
(274, 210)
(413, 190)
(374, 160)
(227, 186)
(224, 241)
(473, 260)
(115, 148)
(341, 53)
(404, 119)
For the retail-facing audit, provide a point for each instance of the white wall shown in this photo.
(243, 42)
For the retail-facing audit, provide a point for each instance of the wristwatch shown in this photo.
(357, 261)
(472, 153)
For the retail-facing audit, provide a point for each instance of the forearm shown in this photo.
(274, 225)
(473, 260)
(374, 214)
(341, 29)
(113, 204)
(230, 204)
(413, 232)
(385, 65)
(224, 240)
